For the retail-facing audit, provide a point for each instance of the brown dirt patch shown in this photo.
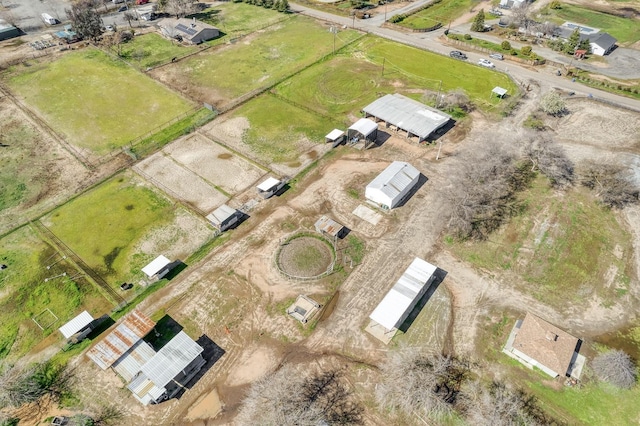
(305, 257)
(224, 156)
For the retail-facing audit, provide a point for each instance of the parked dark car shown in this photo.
(457, 54)
(123, 9)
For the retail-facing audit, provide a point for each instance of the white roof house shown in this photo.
(396, 306)
(411, 116)
(172, 363)
(158, 266)
(223, 217)
(76, 324)
(389, 188)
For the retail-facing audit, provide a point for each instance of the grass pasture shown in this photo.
(24, 292)
(234, 19)
(442, 12)
(280, 131)
(98, 103)
(103, 225)
(259, 60)
(149, 50)
(625, 30)
(562, 247)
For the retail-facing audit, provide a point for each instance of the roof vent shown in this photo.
(551, 336)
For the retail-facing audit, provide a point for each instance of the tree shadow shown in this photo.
(439, 276)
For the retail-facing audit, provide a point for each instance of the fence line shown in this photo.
(299, 233)
(97, 279)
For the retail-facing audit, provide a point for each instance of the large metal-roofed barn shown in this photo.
(390, 187)
(7, 30)
(189, 30)
(133, 327)
(80, 322)
(413, 117)
(396, 306)
(132, 361)
(164, 375)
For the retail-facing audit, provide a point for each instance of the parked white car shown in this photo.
(497, 56)
(486, 63)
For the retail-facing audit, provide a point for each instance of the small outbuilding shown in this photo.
(190, 31)
(328, 226)
(224, 217)
(158, 268)
(363, 129)
(169, 371)
(391, 186)
(270, 187)
(8, 31)
(396, 306)
(408, 115)
(499, 92)
(79, 325)
(303, 309)
(538, 343)
(335, 137)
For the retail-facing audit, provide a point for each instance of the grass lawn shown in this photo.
(563, 246)
(625, 30)
(442, 12)
(238, 18)
(103, 225)
(277, 128)
(152, 49)
(97, 102)
(258, 60)
(405, 63)
(24, 292)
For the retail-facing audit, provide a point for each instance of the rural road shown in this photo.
(431, 41)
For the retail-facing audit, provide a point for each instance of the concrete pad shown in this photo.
(380, 333)
(367, 214)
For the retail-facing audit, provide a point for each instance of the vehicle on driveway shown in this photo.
(497, 56)
(486, 63)
(123, 9)
(457, 54)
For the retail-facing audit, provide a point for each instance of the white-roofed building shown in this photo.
(363, 129)
(406, 114)
(390, 187)
(130, 364)
(170, 369)
(76, 325)
(270, 187)
(499, 91)
(158, 268)
(336, 136)
(223, 217)
(396, 306)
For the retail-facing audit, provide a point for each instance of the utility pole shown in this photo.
(383, 61)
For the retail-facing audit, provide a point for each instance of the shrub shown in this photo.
(555, 4)
(526, 50)
(505, 45)
(553, 104)
(615, 367)
(467, 36)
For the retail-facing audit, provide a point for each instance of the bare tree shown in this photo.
(553, 104)
(23, 385)
(86, 19)
(414, 383)
(548, 157)
(482, 190)
(617, 368)
(180, 8)
(613, 184)
(287, 397)
(455, 99)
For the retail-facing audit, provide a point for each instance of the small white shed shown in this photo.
(364, 128)
(158, 268)
(223, 217)
(335, 137)
(391, 186)
(76, 325)
(270, 187)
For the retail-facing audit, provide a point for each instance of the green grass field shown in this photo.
(625, 30)
(24, 292)
(562, 247)
(96, 102)
(103, 225)
(269, 138)
(152, 49)
(443, 12)
(238, 18)
(256, 61)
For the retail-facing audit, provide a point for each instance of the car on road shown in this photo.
(457, 54)
(497, 56)
(486, 63)
(123, 9)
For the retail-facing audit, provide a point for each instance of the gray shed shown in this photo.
(223, 217)
(8, 31)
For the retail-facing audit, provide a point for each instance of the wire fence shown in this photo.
(300, 233)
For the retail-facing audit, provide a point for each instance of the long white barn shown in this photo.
(390, 187)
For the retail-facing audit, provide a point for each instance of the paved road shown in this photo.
(431, 41)
(28, 12)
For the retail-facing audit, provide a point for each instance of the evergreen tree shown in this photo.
(585, 45)
(478, 22)
(283, 6)
(572, 43)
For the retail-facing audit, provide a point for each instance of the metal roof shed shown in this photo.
(132, 361)
(269, 187)
(133, 327)
(223, 217)
(363, 128)
(158, 266)
(326, 225)
(389, 188)
(416, 118)
(403, 296)
(336, 136)
(76, 324)
(499, 91)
